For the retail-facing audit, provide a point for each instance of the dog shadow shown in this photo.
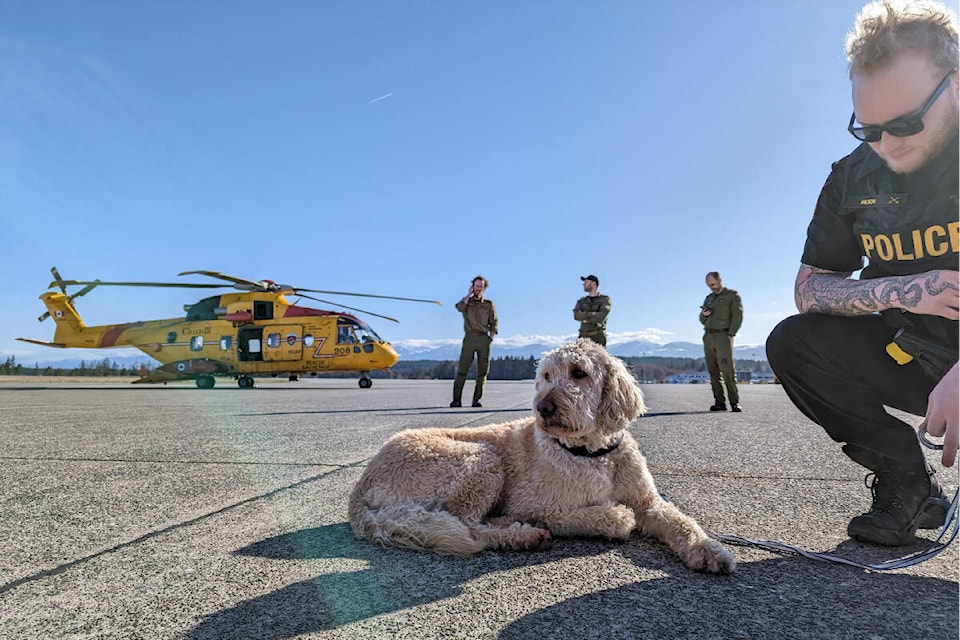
(783, 596)
(390, 580)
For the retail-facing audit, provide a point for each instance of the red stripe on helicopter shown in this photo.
(111, 335)
(294, 311)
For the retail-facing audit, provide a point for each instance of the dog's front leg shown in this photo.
(663, 520)
(682, 534)
(614, 521)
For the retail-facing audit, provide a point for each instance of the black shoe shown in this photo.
(476, 403)
(902, 503)
(735, 408)
(455, 404)
(718, 407)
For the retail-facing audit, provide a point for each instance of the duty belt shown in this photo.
(717, 330)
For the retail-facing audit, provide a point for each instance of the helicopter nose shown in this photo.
(389, 354)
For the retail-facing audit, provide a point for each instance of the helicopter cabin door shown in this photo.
(250, 344)
(282, 342)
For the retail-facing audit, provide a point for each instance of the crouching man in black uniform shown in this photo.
(889, 338)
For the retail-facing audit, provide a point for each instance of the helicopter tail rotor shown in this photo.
(61, 283)
(57, 279)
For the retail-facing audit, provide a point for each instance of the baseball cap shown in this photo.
(591, 277)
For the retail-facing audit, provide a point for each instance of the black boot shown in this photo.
(904, 499)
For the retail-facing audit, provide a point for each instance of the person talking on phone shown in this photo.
(479, 328)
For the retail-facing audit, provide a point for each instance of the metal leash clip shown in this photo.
(922, 437)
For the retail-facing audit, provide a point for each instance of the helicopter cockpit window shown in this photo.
(345, 335)
(196, 343)
(262, 310)
(367, 334)
(203, 310)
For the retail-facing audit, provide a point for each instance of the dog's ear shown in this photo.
(622, 400)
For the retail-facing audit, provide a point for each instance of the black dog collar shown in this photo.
(586, 453)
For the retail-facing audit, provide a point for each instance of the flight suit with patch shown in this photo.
(592, 312)
(719, 329)
(479, 327)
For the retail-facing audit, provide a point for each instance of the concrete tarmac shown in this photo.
(171, 512)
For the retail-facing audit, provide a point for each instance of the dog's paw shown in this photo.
(622, 522)
(710, 556)
(534, 538)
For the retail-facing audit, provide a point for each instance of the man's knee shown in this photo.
(784, 338)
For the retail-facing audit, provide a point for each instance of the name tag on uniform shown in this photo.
(883, 200)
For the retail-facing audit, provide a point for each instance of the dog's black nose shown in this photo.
(546, 407)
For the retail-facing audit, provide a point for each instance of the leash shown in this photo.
(947, 534)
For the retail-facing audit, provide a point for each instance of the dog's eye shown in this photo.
(578, 373)
(546, 377)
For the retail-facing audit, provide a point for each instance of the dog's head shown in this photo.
(582, 389)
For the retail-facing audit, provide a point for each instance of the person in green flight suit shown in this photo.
(592, 310)
(479, 327)
(721, 316)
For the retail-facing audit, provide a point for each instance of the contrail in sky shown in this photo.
(383, 97)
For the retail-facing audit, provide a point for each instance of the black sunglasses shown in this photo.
(899, 127)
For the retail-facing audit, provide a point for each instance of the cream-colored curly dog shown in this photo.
(572, 469)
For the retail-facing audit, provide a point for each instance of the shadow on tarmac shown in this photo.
(393, 580)
(434, 410)
(796, 597)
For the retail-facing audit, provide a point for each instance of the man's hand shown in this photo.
(939, 295)
(942, 414)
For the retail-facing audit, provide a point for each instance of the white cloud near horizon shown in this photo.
(656, 336)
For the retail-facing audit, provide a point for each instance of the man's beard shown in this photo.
(936, 146)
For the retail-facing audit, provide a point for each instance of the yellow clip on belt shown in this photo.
(898, 354)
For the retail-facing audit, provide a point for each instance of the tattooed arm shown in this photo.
(932, 293)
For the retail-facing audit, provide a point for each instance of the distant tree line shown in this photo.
(101, 368)
(645, 368)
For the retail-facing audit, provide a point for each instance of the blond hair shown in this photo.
(884, 29)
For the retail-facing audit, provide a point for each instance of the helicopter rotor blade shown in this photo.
(239, 283)
(337, 304)
(87, 289)
(269, 285)
(98, 283)
(367, 295)
(57, 277)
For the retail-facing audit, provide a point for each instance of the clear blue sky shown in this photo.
(403, 147)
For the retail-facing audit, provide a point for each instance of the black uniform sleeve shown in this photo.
(831, 243)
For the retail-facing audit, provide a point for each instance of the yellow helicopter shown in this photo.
(255, 332)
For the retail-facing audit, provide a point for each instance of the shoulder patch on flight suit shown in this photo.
(881, 200)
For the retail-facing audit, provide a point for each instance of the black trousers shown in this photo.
(836, 371)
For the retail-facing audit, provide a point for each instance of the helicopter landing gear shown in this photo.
(205, 382)
(245, 382)
(365, 382)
